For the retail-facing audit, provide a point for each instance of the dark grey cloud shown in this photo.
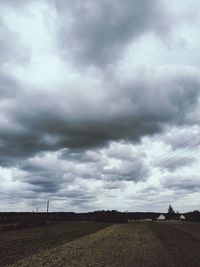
(97, 32)
(44, 174)
(81, 197)
(9, 87)
(47, 175)
(81, 156)
(17, 144)
(73, 140)
(127, 171)
(184, 183)
(36, 194)
(38, 122)
(11, 51)
(20, 195)
(42, 180)
(44, 186)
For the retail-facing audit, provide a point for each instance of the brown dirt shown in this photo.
(182, 241)
(128, 245)
(20, 244)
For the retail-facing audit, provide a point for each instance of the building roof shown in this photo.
(161, 217)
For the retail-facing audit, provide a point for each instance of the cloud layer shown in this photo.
(99, 32)
(89, 95)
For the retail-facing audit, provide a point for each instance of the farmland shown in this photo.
(21, 243)
(138, 244)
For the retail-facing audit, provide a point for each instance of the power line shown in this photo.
(143, 169)
(179, 144)
(170, 165)
(181, 152)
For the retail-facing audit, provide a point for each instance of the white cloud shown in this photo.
(89, 125)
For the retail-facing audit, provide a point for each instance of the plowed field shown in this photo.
(135, 245)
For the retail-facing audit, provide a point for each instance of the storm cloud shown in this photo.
(88, 93)
(100, 31)
(53, 121)
(184, 183)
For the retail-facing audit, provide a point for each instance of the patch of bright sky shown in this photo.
(153, 50)
(8, 184)
(150, 52)
(5, 178)
(36, 27)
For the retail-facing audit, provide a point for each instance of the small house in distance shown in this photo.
(182, 217)
(161, 218)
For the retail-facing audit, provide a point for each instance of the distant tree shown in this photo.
(170, 210)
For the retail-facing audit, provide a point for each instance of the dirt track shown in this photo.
(134, 245)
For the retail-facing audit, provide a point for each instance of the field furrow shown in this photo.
(117, 245)
(137, 244)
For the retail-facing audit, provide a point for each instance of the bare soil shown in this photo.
(22, 243)
(140, 244)
(181, 241)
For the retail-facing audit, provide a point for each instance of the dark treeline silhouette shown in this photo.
(28, 219)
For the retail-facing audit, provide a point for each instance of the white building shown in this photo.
(161, 217)
(182, 217)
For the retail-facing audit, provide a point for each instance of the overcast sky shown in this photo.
(99, 105)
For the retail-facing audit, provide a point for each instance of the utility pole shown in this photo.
(47, 206)
(45, 226)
